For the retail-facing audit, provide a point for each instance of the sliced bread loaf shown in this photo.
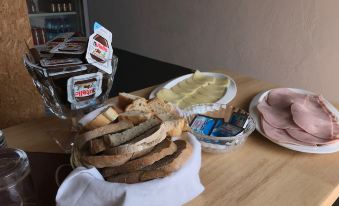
(101, 161)
(108, 129)
(136, 117)
(164, 148)
(161, 168)
(120, 138)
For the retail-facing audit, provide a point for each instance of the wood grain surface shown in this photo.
(259, 173)
(19, 100)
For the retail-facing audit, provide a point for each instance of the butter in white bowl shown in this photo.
(197, 89)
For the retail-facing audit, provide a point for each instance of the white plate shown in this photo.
(308, 149)
(228, 96)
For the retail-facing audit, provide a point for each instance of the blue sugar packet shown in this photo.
(238, 119)
(203, 125)
(226, 130)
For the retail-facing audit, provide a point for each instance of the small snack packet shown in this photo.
(202, 124)
(226, 130)
(99, 49)
(58, 40)
(82, 90)
(239, 119)
(55, 62)
(74, 45)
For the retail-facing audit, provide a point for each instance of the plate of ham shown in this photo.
(297, 119)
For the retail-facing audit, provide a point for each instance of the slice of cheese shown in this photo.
(169, 96)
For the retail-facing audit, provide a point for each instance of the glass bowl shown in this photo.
(218, 144)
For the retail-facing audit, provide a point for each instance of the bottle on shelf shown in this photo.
(59, 6)
(64, 7)
(70, 6)
(53, 6)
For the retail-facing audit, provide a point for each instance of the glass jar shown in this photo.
(3, 143)
(16, 185)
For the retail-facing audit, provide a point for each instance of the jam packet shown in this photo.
(55, 62)
(99, 49)
(74, 45)
(226, 130)
(203, 124)
(82, 90)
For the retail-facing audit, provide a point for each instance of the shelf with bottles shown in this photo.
(52, 14)
(51, 28)
(38, 8)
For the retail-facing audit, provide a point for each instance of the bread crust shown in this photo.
(161, 168)
(164, 148)
(127, 135)
(108, 129)
(101, 161)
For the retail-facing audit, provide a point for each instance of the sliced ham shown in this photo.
(313, 118)
(303, 136)
(280, 135)
(335, 121)
(284, 97)
(277, 116)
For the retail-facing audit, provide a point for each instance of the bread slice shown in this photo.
(110, 114)
(158, 106)
(107, 116)
(177, 124)
(96, 146)
(150, 138)
(98, 121)
(101, 161)
(161, 168)
(120, 138)
(108, 129)
(136, 117)
(173, 162)
(164, 148)
(138, 105)
(124, 99)
(177, 129)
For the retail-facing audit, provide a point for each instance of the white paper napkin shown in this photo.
(87, 186)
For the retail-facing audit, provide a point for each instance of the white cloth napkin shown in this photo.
(87, 187)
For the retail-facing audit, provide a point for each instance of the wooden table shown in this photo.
(259, 173)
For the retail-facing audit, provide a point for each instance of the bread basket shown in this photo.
(218, 144)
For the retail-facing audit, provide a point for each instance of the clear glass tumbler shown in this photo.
(16, 185)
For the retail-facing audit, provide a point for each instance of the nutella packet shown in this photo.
(74, 45)
(99, 49)
(84, 89)
(58, 40)
(55, 62)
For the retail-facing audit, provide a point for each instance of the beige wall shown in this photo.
(294, 43)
